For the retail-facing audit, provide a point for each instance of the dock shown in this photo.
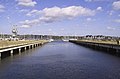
(108, 47)
(10, 48)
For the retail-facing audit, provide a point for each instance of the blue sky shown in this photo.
(61, 17)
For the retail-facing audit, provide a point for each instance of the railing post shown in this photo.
(0, 56)
(11, 52)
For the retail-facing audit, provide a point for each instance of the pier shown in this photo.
(111, 48)
(11, 48)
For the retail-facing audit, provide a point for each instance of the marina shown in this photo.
(59, 39)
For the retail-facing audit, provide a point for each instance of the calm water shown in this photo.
(61, 60)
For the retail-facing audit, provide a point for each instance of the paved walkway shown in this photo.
(4, 44)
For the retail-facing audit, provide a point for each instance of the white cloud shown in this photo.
(27, 3)
(110, 28)
(117, 20)
(30, 22)
(111, 12)
(8, 17)
(2, 8)
(88, 19)
(25, 26)
(33, 12)
(116, 5)
(98, 0)
(49, 15)
(49, 29)
(24, 10)
(71, 11)
(99, 9)
(88, 0)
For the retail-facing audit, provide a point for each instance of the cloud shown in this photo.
(33, 12)
(98, 0)
(88, 0)
(8, 17)
(70, 11)
(88, 19)
(49, 15)
(99, 9)
(27, 3)
(49, 29)
(24, 10)
(110, 28)
(25, 26)
(30, 22)
(2, 8)
(117, 20)
(111, 12)
(116, 5)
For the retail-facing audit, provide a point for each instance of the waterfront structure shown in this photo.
(107, 47)
(14, 33)
(11, 50)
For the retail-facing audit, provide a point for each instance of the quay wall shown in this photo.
(16, 49)
(113, 49)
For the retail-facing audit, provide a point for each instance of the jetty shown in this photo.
(10, 48)
(110, 47)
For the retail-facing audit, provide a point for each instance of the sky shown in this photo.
(61, 17)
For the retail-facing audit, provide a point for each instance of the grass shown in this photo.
(4, 44)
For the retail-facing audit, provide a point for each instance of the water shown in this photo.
(61, 60)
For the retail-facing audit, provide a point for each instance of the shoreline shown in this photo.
(110, 48)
